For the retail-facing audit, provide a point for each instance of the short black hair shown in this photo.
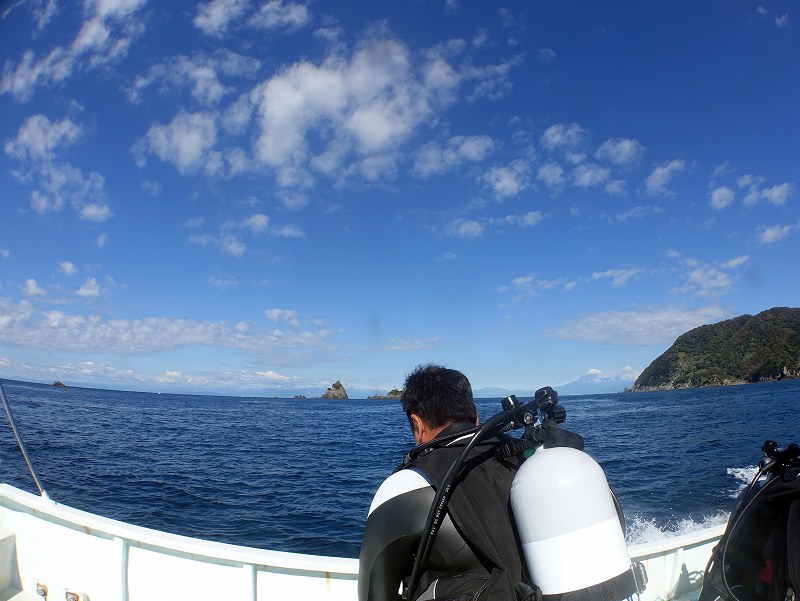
(439, 395)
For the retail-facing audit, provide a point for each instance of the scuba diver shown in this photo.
(467, 516)
(476, 551)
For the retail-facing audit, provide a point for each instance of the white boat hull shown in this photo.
(43, 543)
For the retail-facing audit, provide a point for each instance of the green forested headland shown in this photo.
(749, 348)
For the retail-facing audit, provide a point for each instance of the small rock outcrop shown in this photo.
(59, 384)
(392, 394)
(336, 391)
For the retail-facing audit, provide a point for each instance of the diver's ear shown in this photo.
(417, 427)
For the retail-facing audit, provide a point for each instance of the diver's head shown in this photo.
(435, 397)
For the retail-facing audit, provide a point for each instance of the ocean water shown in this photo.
(298, 475)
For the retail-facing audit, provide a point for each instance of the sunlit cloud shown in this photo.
(657, 183)
(653, 326)
(621, 151)
(775, 233)
(619, 277)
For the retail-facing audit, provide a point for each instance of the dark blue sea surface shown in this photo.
(298, 475)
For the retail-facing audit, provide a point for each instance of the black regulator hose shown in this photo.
(495, 425)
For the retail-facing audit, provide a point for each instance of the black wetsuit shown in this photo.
(478, 512)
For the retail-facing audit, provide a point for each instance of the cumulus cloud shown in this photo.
(347, 109)
(434, 159)
(620, 151)
(4, 253)
(38, 138)
(201, 73)
(552, 175)
(736, 262)
(776, 195)
(619, 277)
(564, 136)
(588, 175)
(722, 197)
(527, 286)
(107, 30)
(657, 183)
(654, 326)
(465, 228)
(185, 141)
(707, 280)
(639, 212)
(509, 181)
(256, 223)
(22, 324)
(277, 14)
(67, 268)
(213, 17)
(37, 146)
(32, 288)
(775, 233)
(89, 289)
(287, 316)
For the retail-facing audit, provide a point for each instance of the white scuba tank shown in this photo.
(567, 521)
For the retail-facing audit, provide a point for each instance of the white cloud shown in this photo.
(201, 74)
(231, 245)
(588, 175)
(288, 316)
(619, 277)
(465, 228)
(278, 14)
(563, 136)
(290, 231)
(67, 268)
(639, 212)
(97, 212)
(88, 289)
(55, 183)
(38, 138)
(433, 159)
(704, 280)
(101, 240)
(735, 262)
(105, 36)
(782, 20)
(4, 253)
(654, 326)
(213, 17)
(32, 288)
(507, 182)
(22, 324)
(257, 223)
(185, 141)
(621, 151)
(775, 233)
(552, 174)
(722, 197)
(525, 287)
(777, 195)
(659, 179)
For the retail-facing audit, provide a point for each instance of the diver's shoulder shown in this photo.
(399, 483)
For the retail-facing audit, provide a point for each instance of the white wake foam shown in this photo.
(642, 530)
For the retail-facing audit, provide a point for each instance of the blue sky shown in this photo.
(254, 197)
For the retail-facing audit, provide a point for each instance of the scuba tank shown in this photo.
(569, 526)
(569, 523)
